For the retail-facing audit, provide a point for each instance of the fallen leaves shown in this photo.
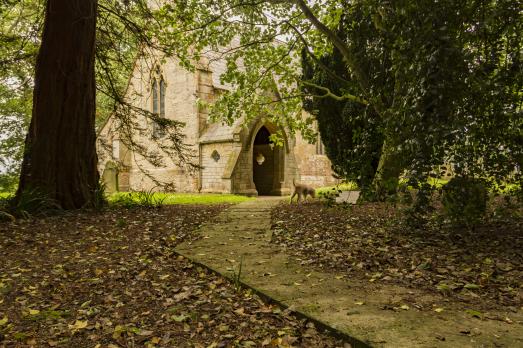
(370, 242)
(33, 311)
(78, 325)
(111, 279)
(471, 286)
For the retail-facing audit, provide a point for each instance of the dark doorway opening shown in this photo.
(263, 162)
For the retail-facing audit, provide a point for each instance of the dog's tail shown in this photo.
(294, 182)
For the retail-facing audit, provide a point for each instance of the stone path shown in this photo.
(242, 236)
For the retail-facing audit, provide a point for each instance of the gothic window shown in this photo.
(162, 98)
(158, 107)
(155, 96)
(320, 149)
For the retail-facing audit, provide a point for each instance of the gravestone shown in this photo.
(350, 197)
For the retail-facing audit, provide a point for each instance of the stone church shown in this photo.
(232, 159)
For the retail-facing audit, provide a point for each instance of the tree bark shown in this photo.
(60, 158)
(387, 175)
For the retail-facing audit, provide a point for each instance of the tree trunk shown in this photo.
(60, 154)
(387, 175)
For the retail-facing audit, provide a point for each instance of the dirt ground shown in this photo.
(112, 279)
(370, 242)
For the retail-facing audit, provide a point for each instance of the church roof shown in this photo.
(219, 133)
(218, 67)
(215, 61)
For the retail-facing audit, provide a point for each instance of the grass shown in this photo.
(184, 198)
(349, 186)
(5, 194)
(437, 182)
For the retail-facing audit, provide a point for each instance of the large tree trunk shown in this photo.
(387, 175)
(60, 153)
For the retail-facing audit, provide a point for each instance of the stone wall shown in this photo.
(180, 179)
(180, 105)
(214, 166)
(314, 168)
(206, 93)
(242, 176)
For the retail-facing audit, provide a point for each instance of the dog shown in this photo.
(302, 190)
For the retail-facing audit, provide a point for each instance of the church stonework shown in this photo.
(233, 159)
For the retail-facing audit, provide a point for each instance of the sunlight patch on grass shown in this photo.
(349, 186)
(506, 189)
(184, 198)
(6, 194)
(437, 182)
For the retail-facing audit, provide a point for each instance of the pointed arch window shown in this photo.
(320, 148)
(158, 104)
(162, 98)
(155, 96)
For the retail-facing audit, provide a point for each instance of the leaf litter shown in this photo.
(112, 279)
(480, 269)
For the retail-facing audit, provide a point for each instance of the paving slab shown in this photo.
(361, 310)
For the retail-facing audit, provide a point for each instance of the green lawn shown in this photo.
(181, 198)
(350, 186)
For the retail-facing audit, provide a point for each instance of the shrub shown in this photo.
(464, 200)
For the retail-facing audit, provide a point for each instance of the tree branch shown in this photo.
(353, 64)
(328, 93)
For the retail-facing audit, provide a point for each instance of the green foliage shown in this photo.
(5, 195)
(432, 68)
(465, 200)
(121, 28)
(395, 86)
(147, 199)
(99, 200)
(237, 276)
(19, 40)
(345, 186)
(348, 130)
(32, 202)
(5, 215)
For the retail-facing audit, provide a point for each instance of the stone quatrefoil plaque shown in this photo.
(215, 156)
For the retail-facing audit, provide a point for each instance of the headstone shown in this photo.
(350, 197)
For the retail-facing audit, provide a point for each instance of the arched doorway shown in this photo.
(263, 162)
